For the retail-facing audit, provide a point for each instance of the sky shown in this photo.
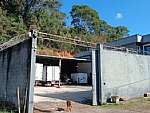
(134, 14)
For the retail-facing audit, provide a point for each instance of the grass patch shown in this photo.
(6, 107)
(5, 111)
(133, 103)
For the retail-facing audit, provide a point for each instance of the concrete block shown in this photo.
(115, 99)
(146, 94)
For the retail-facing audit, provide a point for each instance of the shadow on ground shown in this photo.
(83, 97)
(42, 110)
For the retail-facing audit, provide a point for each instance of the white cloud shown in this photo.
(119, 15)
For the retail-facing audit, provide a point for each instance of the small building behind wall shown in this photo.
(133, 41)
(63, 68)
(137, 42)
(146, 44)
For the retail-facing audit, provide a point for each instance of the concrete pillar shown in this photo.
(32, 71)
(99, 82)
(94, 102)
(60, 70)
(44, 74)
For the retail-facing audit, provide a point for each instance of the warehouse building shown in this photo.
(115, 72)
(53, 70)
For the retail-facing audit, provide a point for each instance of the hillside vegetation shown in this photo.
(16, 17)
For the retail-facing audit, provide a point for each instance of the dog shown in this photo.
(69, 105)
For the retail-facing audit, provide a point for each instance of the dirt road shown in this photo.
(53, 100)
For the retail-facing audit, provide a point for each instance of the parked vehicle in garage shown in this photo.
(79, 78)
(53, 75)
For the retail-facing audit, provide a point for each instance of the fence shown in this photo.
(126, 50)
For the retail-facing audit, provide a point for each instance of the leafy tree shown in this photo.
(87, 25)
(23, 13)
(26, 8)
(13, 7)
(85, 19)
(10, 26)
(16, 16)
(121, 31)
(40, 6)
(112, 32)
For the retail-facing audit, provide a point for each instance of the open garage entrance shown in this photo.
(19, 65)
(73, 71)
(62, 79)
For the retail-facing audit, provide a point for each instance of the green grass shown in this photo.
(133, 103)
(7, 108)
(5, 111)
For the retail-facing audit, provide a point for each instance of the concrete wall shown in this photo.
(15, 63)
(123, 74)
(84, 68)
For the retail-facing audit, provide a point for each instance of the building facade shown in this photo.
(137, 42)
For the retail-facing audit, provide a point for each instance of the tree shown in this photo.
(112, 32)
(10, 26)
(86, 23)
(25, 8)
(16, 16)
(85, 19)
(44, 14)
(121, 31)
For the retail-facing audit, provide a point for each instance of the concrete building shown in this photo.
(136, 42)
(113, 72)
(113, 69)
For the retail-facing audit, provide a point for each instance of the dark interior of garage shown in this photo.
(68, 66)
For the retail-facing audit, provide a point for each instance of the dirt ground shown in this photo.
(53, 100)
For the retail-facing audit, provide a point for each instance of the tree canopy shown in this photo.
(10, 26)
(85, 18)
(16, 16)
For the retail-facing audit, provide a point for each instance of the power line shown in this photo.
(63, 39)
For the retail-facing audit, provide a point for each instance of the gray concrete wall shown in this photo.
(123, 74)
(15, 71)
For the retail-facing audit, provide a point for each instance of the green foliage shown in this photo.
(16, 17)
(5, 111)
(85, 19)
(13, 7)
(117, 32)
(24, 7)
(10, 26)
(132, 104)
(112, 32)
(121, 31)
(86, 23)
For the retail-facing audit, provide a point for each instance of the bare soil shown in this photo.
(53, 100)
